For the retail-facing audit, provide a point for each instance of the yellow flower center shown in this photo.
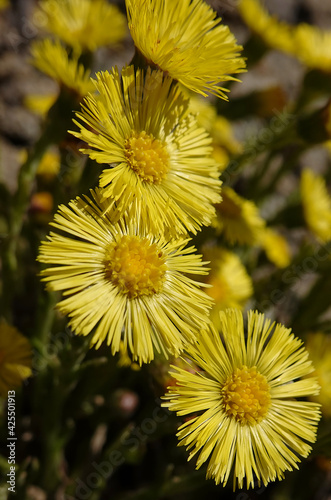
(136, 266)
(246, 395)
(148, 157)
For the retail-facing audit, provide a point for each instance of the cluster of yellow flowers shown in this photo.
(121, 256)
(307, 43)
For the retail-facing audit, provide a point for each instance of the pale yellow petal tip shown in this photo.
(243, 406)
(316, 204)
(157, 153)
(84, 25)
(15, 358)
(181, 35)
(122, 281)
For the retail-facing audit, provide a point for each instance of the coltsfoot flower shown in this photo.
(186, 40)
(52, 58)
(15, 358)
(158, 158)
(124, 282)
(83, 24)
(316, 203)
(275, 33)
(243, 398)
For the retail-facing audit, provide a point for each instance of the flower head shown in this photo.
(238, 219)
(313, 46)
(83, 24)
(52, 59)
(243, 393)
(15, 358)
(316, 204)
(187, 41)
(157, 155)
(124, 281)
(277, 34)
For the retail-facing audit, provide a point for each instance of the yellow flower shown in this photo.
(230, 284)
(316, 204)
(238, 219)
(39, 104)
(15, 358)
(124, 281)
(4, 4)
(52, 58)
(243, 396)
(159, 160)
(186, 40)
(319, 347)
(50, 164)
(276, 247)
(83, 24)
(313, 46)
(277, 34)
(307, 43)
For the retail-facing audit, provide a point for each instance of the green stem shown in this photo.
(16, 220)
(56, 126)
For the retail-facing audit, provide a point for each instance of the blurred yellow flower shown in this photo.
(15, 358)
(242, 397)
(316, 204)
(275, 247)
(318, 345)
(39, 104)
(51, 58)
(83, 24)
(313, 46)
(277, 34)
(230, 284)
(309, 44)
(238, 219)
(50, 164)
(124, 281)
(4, 4)
(186, 40)
(159, 159)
